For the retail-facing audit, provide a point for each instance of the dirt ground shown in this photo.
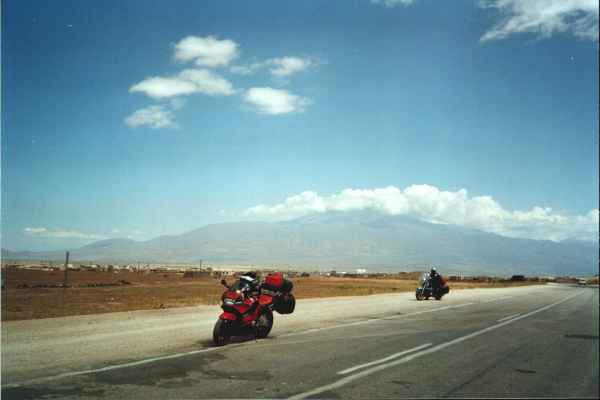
(28, 294)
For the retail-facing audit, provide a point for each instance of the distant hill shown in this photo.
(346, 241)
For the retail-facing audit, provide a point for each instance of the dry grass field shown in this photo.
(99, 292)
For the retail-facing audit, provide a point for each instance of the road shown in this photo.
(536, 341)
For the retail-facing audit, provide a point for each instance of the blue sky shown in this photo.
(150, 118)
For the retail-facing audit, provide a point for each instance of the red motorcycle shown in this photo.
(248, 307)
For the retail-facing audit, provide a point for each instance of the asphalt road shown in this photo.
(539, 341)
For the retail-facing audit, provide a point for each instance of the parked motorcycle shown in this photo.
(246, 313)
(426, 289)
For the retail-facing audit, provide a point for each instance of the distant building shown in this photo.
(222, 274)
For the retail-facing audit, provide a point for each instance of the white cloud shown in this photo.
(430, 204)
(188, 81)
(158, 87)
(207, 82)
(267, 100)
(284, 66)
(62, 234)
(206, 51)
(392, 3)
(544, 18)
(155, 117)
(35, 231)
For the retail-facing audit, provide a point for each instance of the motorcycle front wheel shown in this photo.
(264, 323)
(221, 333)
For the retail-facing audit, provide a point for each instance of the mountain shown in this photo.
(346, 241)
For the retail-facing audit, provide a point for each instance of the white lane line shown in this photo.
(366, 321)
(104, 369)
(362, 374)
(382, 360)
(509, 317)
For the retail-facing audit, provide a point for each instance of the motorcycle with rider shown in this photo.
(431, 284)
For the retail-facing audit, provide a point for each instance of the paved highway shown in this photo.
(539, 341)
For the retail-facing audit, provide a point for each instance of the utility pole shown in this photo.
(66, 270)
(66, 278)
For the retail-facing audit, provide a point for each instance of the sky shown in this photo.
(138, 119)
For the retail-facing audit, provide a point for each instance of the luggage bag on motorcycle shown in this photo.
(277, 283)
(284, 303)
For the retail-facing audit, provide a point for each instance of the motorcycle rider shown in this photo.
(249, 284)
(435, 279)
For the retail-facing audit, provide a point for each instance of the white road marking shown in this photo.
(104, 369)
(362, 374)
(509, 317)
(366, 321)
(382, 360)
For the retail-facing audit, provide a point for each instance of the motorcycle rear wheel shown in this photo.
(221, 333)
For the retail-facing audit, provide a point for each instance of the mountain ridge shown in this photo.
(346, 240)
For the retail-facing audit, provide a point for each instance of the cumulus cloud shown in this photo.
(35, 231)
(61, 234)
(187, 82)
(280, 67)
(206, 51)
(155, 117)
(289, 65)
(544, 18)
(430, 204)
(267, 100)
(392, 3)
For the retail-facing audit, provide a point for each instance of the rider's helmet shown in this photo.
(249, 281)
(433, 272)
(251, 274)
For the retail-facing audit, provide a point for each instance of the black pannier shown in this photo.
(285, 303)
(287, 286)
